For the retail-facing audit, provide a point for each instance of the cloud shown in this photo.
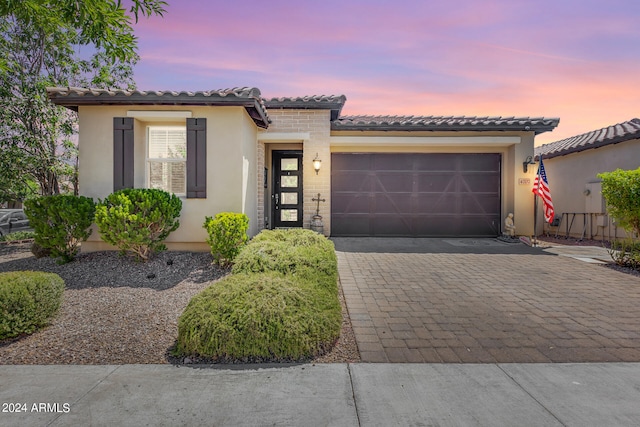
(569, 59)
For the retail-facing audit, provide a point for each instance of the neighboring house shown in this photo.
(232, 150)
(572, 166)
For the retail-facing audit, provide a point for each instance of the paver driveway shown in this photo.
(462, 305)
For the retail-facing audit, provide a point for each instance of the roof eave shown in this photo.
(336, 126)
(253, 106)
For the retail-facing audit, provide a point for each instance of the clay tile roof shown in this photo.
(315, 102)
(445, 123)
(248, 97)
(620, 132)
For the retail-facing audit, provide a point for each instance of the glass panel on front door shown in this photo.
(287, 189)
(288, 215)
(289, 198)
(289, 164)
(289, 181)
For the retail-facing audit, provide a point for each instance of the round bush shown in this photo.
(61, 223)
(138, 220)
(28, 301)
(227, 235)
(259, 317)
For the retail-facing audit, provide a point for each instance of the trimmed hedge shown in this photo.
(301, 253)
(259, 317)
(28, 301)
(294, 236)
(280, 303)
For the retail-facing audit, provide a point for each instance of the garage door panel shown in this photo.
(392, 182)
(480, 183)
(353, 203)
(391, 225)
(480, 204)
(478, 162)
(393, 203)
(437, 225)
(351, 162)
(411, 194)
(477, 227)
(351, 182)
(435, 182)
(434, 162)
(386, 163)
(352, 225)
(437, 203)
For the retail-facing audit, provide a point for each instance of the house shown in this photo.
(233, 150)
(572, 166)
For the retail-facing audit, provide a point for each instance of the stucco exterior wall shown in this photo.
(570, 175)
(250, 189)
(231, 158)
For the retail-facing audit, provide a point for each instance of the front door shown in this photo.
(287, 188)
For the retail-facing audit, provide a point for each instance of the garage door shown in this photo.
(417, 195)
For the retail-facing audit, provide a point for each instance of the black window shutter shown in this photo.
(122, 153)
(196, 158)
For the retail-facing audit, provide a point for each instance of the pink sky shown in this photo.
(578, 60)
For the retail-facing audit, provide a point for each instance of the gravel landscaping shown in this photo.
(119, 311)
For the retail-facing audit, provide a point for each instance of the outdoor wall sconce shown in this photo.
(316, 164)
(528, 161)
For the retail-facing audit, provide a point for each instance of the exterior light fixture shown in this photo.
(316, 164)
(528, 161)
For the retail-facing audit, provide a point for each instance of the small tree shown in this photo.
(40, 46)
(621, 190)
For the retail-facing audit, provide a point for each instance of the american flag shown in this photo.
(541, 188)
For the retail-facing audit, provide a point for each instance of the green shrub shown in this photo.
(227, 235)
(301, 253)
(17, 236)
(61, 222)
(28, 300)
(259, 317)
(293, 236)
(138, 220)
(621, 190)
(626, 253)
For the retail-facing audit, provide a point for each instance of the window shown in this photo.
(171, 164)
(167, 158)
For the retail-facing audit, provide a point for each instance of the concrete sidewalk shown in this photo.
(323, 394)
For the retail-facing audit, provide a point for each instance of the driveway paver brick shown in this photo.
(489, 308)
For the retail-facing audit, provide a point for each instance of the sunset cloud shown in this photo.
(572, 59)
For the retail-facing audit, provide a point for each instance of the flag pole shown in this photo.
(535, 220)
